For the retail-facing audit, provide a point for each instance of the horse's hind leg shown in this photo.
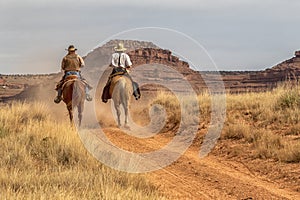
(70, 115)
(80, 109)
(118, 111)
(126, 115)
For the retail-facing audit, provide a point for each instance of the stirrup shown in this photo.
(57, 99)
(88, 97)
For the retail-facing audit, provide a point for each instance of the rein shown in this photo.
(117, 74)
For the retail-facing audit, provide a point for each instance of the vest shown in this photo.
(71, 63)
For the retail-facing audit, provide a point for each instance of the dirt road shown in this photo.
(210, 178)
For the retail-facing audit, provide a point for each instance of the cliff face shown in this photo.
(180, 70)
(145, 53)
(97, 60)
(288, 70)
(159, 56)
(255, 81)
(100, 56)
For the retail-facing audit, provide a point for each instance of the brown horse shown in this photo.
(74, 95)
(121, 91)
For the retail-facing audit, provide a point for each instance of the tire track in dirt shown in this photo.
(210, 178)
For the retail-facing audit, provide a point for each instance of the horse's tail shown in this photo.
(123, 89)
(78, 95)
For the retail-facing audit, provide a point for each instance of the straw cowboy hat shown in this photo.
(120, 47)
(71, 48)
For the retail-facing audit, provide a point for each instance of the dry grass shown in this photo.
(180, 110)
(172, 108)
(43, 159)
(264, 120)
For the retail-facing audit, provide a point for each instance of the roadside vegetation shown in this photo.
(268, 122)
(43, 159)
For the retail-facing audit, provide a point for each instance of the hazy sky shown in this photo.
(238, 34)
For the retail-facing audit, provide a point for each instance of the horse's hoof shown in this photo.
(88, 97)
(57, 99)
(137, 97)
(127, 127)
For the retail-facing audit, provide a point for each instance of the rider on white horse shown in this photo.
(121, 63)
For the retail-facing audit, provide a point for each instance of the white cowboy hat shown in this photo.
(120, 47)
(71, 48)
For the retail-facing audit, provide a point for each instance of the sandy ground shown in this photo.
(212, 177)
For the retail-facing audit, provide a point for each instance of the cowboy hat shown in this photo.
(71, 48)
(120, 47)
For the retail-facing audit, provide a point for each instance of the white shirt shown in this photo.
(124, 60)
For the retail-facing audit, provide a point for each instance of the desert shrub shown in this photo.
(172, 107)
(50, 151)
(294, 130)
(289, 99)
(264, 120)
(205, 105)
(181, 110)
(16, 116)
(3, 131)
(290, 153)
(267, 145)
(236, 131)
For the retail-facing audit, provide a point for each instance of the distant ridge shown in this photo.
(143, 52)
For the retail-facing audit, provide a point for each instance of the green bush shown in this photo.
(290, 99)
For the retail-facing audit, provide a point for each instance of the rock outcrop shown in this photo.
(163, 59)
(288, 70)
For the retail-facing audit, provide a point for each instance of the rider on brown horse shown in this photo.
(71, 65)
(121, 63)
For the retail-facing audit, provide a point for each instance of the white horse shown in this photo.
(121, 91)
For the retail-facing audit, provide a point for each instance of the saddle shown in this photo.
(117, 73)
(68, 79)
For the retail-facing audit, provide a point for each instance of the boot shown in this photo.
(105, 93)
(136, 90)
(87, 84)
(88, 97)
(58, 97)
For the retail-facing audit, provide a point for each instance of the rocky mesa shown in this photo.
(148, 54)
